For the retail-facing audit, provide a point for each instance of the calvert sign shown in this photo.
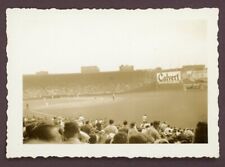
(169, 77)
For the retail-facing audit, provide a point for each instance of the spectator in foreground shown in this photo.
(120, 138)
(102, 137)
(151, 132)
(201, 133)
(86, 128)
(161, 141)
(124, 128)
(138, 139)
(27, 132)
(189, 134)
(83, 137)
(71, 133)
(98, 125)
(93, 139)
(133, 130)
(111, 128)
(45, 133)
(144, 121)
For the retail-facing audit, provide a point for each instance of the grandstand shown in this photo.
(83, 84)
(57, 85)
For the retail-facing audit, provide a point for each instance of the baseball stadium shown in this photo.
(176, 96)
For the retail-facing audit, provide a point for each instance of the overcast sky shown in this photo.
(62, 41)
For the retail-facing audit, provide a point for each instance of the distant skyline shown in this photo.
(62, 41)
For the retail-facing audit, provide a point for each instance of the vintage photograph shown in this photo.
(99, 78)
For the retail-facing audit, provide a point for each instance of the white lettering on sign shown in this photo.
(169, 77)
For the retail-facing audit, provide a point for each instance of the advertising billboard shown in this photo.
(173, 77)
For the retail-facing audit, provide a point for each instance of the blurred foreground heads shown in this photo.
(68, 131)
(44, 133)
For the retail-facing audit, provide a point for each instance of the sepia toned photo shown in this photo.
(93, 83)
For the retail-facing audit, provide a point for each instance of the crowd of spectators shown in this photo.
(97, 89)
(36, 86)
(82, 131)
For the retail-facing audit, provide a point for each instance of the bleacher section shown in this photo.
(39, 86)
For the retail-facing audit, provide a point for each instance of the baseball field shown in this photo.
(177, 107)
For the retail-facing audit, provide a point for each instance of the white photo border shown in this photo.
(16, 148)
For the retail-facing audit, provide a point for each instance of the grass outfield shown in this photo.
(178, 108)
